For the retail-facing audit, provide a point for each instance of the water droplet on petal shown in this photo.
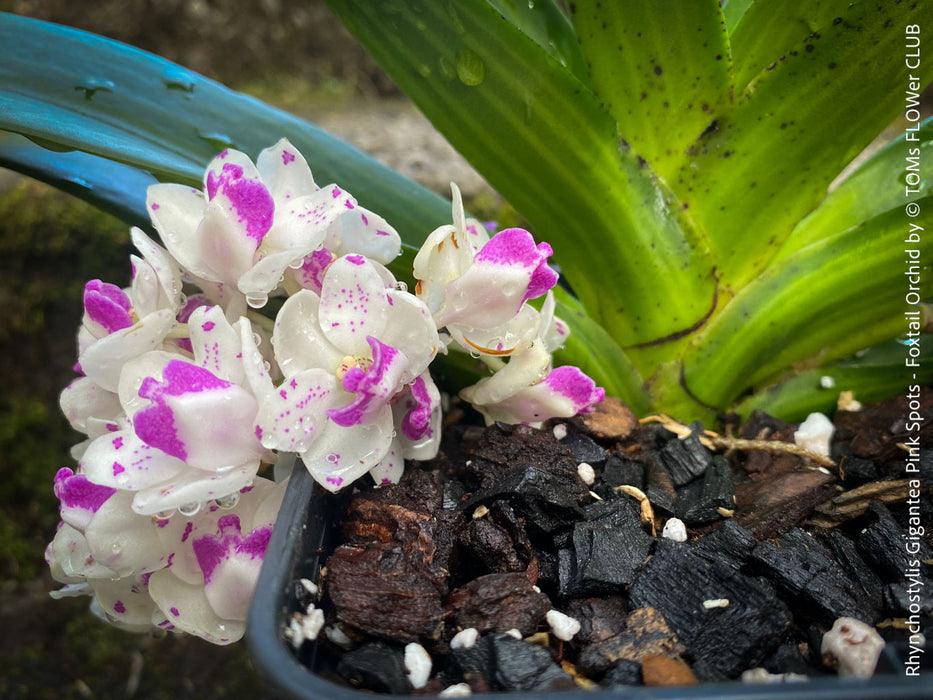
(470, 68)
(190, 509)
(401, 286)
(257, 301)
(257, 339)
(164, 514)
(228, 501)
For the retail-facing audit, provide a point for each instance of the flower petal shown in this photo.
(417, 416)
(121, 460)
(354, 304)
(157, 281)
(216, 344)
(373, 388)
(125, 602)
(70, 558)
(233, 182)
(84, 399)
(124, 541)
(341, 455)
(285, 171)
(186, 606)
(365, 233)
(194, 486)
(176, 212)
(299, 340)
(104, 360)
(79, 498)
(290, 418)
(199, 418)
(391, 467)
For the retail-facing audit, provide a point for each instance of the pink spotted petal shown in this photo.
(505, 273)
(363, 232)
(79, 498)
(162, 286)
(199, 418)
(70, 558)
(106, 308)
(417, 415)
(103, 360)
(120, 460)
(391, 467)
(176, 212)
(216, 344)
(341, 455)
(291, 417)
(311, 273)
(411, 329)
(125, 602)
(230, 561)
(285, 172)
(234, 183)
(354, 304)
(301, 223)
(187, 608)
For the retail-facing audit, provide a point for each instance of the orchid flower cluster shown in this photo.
(189, 388)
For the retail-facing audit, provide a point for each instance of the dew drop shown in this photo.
(475, 355)
(91, 86)
(216, 139)
(164, 515)
(448, 70)
(175, 78)
(190, 509)
(257, 301)
(424, 70)
(228, 501)
(470, 68)
(401, 286)
(257, 339)
(266, 365)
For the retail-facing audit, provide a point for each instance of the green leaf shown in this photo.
(544, 142)
(733, 11)
(877, 186)
(829, 299)
(75, 91)
(115, 188)
(545, 22)
(661, 67)
(876, 374)
(770, 160)
(591, 349)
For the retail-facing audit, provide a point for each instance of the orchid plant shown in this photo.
(682, 159)
(186, 390)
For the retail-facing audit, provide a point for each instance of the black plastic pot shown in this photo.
(295, 551)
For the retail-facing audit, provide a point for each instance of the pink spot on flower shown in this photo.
(417, 422)
(118, 468)
(207, 326)
(356, 259)
(348, 204)
(155, 206)
(336, 193)
(189, 526)
(287, 157)
(380, 232)
(119, 607)
(117, 443)
(248, 198)
(365, 220)
(75, 491)
(174, 611)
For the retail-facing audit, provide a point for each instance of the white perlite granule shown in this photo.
(417, 665)
(563, 626)
(854, 645)
(305, 626)
(815, 433)
(586, 473)
(560, 431)
(457, 690)
(464, 639)
(674, 529)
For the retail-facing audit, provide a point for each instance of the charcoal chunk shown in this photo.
(375, 666)
(541, 497)
(856, 470)
(475, 664)
(722, 641)
(646, 632)
(498, 602)
(623, 672)
(618, 512)
(699, 502)
(620, 471)
(486, 547)
(685, 459)
(882, 545)
(521, 666)
(603, 558)
(659, 488)
(805, 571)
(846, 554)
(600, 618)
(730, 543)
(584, 448)
(903, 599)
(504, 446)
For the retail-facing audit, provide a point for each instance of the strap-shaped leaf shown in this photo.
(769, 162)
(733, 11)
(545, 22)
(116, 188)
(876, 374)
(77, 91)
(768, 31)
(662, 68)
(543, 140)
(877, 186)
(828, 300)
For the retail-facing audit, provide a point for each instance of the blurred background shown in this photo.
(292, 54)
